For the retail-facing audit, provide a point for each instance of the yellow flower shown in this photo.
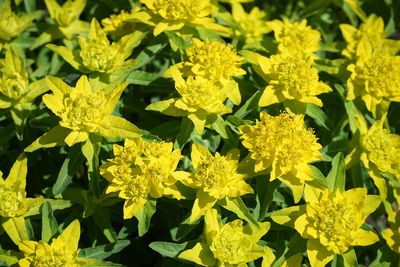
(289, 76)
(141, 170)
(13, 200)
(122, 23)
(201, 100)
(371, 35)
(11, 25)
(14, 205)
(283, 145)
(67, 22)
(295, 36)
(97, 54)
(214, 60)
(331, 221)
(375, 78)
(67, 15)
(62, 252)
(215, 178)
(378, 149)
(82, 112)
(178, 15)
(14, 84)
(230, 244)
(253, 24)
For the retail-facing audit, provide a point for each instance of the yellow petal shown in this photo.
(289, 215)
(17, 175)
(200, 254)
(364, 238)
(201, 205)
(131, 208)
(212, 225)
(69, 238)
(318, 255)
(75, 137)
(113, 126)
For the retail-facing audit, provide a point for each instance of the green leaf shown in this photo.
(70, 166)
(176, 41)
(350, 258)
(186, 130)
(318, 115)
(8, 257)
(102, 219)
(336, 178)
(49, 223)
(168, 249)
(91, 150)
(265, 193)
(104, 251)
(144, 78)
(237, 206)
(144, 216)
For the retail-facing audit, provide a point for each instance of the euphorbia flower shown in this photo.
(14, 205)
(230, 244)
(82, 112)
(11, 25)
(67, 22)
(215, 178)
(283, 145)
(178, 15)
(97, 54)
(141, 170)
(375, 78)
(61, 252)
(379, 150)
(202, 101)
(290, 77)
(331, 221)
(371, 34)
(295, 36)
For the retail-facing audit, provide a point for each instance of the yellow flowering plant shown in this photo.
(67, 22)
(291, 79)
(97, 54)
(122, 23)
(331, 221)
(201, 100)
(14, 205)
(142, 171)
(16, 92)
(283, 146)
(182, 16)
(229, 244)
(253, 25)
(215, 178)
(12, 25)
(370, 34)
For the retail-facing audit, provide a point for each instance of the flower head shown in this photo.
(283, 144)
(228, 244)
(11, 24)
(213, 60)
(371, 34)
(63, 250)
(121, 23)
(295, 36)
(174, 15)
(14, 84)
(331, 221)
(82, 112)
(375, 79)
(290, 77)
(13, 200)
(98, 54)
(253, 24)
(200, 99)
(215, 178)
(141, 170)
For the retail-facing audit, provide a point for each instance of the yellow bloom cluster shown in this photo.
(141, 170)
(295, 36)
(178, 15)
(284, 146)
(230, 244)
(215, 178)
(253, 24)
(204, 82)
(331, 221)
(370, 36)
(375, 78)
(122, 23)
